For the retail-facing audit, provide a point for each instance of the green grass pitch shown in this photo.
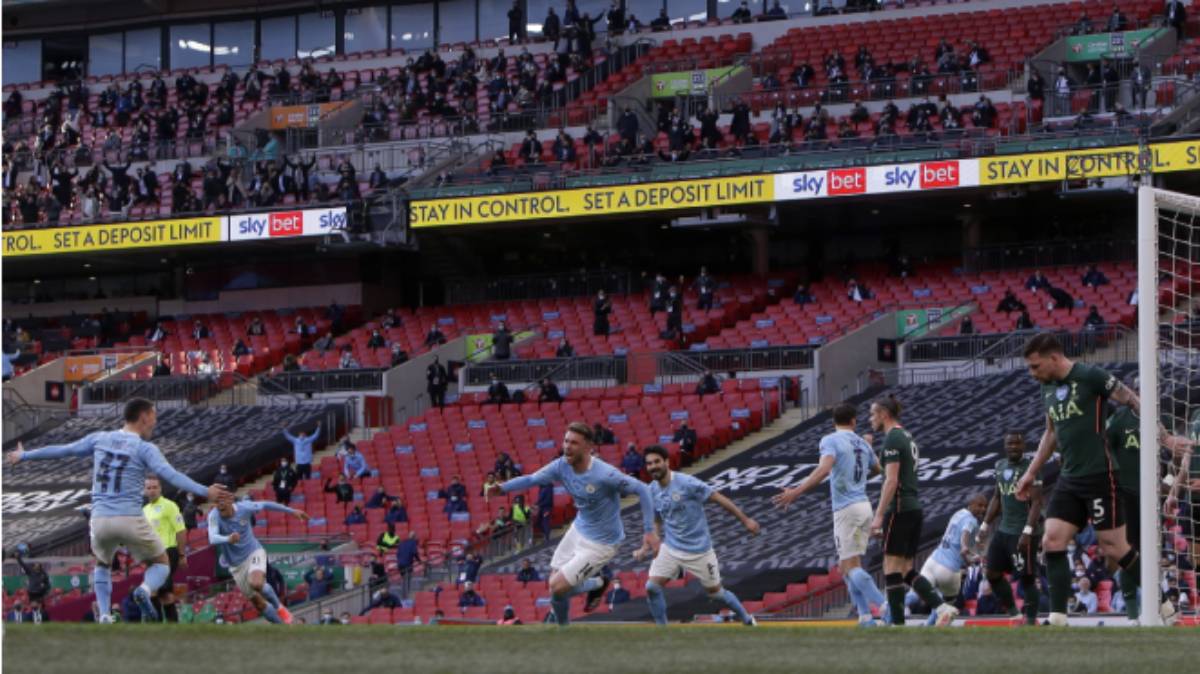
(259, 649)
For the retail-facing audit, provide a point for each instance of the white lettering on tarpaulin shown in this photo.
(17, 503)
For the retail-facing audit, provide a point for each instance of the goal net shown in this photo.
(1169, 368)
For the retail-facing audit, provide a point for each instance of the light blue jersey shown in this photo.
(949, 551)
(121, 461)
(597, 493)
(852, 463)
(220, 529)
(302, 448)
(680, 506)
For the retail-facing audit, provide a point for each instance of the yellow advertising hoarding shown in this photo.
(592, 201)
(96, 238)
(1106, 162)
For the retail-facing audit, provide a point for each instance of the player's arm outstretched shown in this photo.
(731, 507)
(259, 506)
(544, 476)
(788, 496)
(1046, 447)
(81, 447)
(154, 459)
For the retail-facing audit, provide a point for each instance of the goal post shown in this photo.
(1168, 262)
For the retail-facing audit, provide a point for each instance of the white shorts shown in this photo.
(944, 580)
(852, 529)
(132, 532)
(702, 565)
(257, 561)
(578, 559)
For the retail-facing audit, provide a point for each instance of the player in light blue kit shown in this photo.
(944, 567)
(679, 503)
(593, 538)
(230, 530)
(848, 461)
(121, 461)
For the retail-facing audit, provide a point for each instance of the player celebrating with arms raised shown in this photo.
(121, 460)
(229, 529)
(592, 540)
(1014, 547)
(848, 461)
(1073, 395)
(679, 503)
(899, 517)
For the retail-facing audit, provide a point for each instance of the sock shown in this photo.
(860, 603)
(732, 602)
(866, 587)
(895, 597)
(1058, 572)
(1129, 591)
(272, 615)
(1033, 598)
(102, 585)
(268, 593)
(1004, 594)
(562, 610)
(593, 583)
(657, 601)
(920, 585)
(156, 575)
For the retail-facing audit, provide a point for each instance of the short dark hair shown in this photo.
(1043, 344)
(582, 429)
(844, 414)
(657, 450)
(889, 404)
(135, 408)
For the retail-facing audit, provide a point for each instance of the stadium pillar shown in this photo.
(761, 253)
(972, 236)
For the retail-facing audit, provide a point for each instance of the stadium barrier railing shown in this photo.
(321, 381)
(540, 286)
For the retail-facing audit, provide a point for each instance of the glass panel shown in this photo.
(493, 19)
(22, 61)
(535, 15)
(366, 29)
(457, 21)
(104, 54)
(697, 10)
(412, 26)
(278, 38)
(143, 48)
(317, 37)
(189, 46)
(234, 43)
(645, 10)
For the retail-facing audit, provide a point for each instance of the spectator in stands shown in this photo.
(190, 511)
(1086, 601)
(616, 18)
(498, 392)
(435, 337)
(354, 464)
(551, 28)
(408, 553)
(708, 384)
(343, 489)
(603, 435)
(742, 13)
(37, 580)
(225, 478)
(619, 595)
(505, 468)
(1116, 21)
(1062, 92)
(302, 450)
(674, 314)
(1093, 320)
(157, 334)
(347, 361)
(548, 392)
(163, 367)
(857, 292)
(376, 340)
(1009, 303)
(455, 495)
(662, 22)
(984, 113)
(632, 463)
(966, 326)
(1024, 322)
(531, 148)
(436, 380)
(399, 355)
(1037, 281)
(803, 295)
(319, 583)
(1176, 17)
(490, 484)
(1094, 278)
(356, 516)
(564, 350)
(388, 540)
(379, 499)
(1061, 299)
(987, 604)
(1035, 86)
(686, 437)
(469, 597)
(502, 341)
(739, 125)
(382, 598)
(516, 23)
(601, 308)
(256, 328)
(284, 481)
(527, 574)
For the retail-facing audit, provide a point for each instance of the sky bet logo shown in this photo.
(847, 181)
(334, 220)
(939, 174)
(808, 183)
(287, 223)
